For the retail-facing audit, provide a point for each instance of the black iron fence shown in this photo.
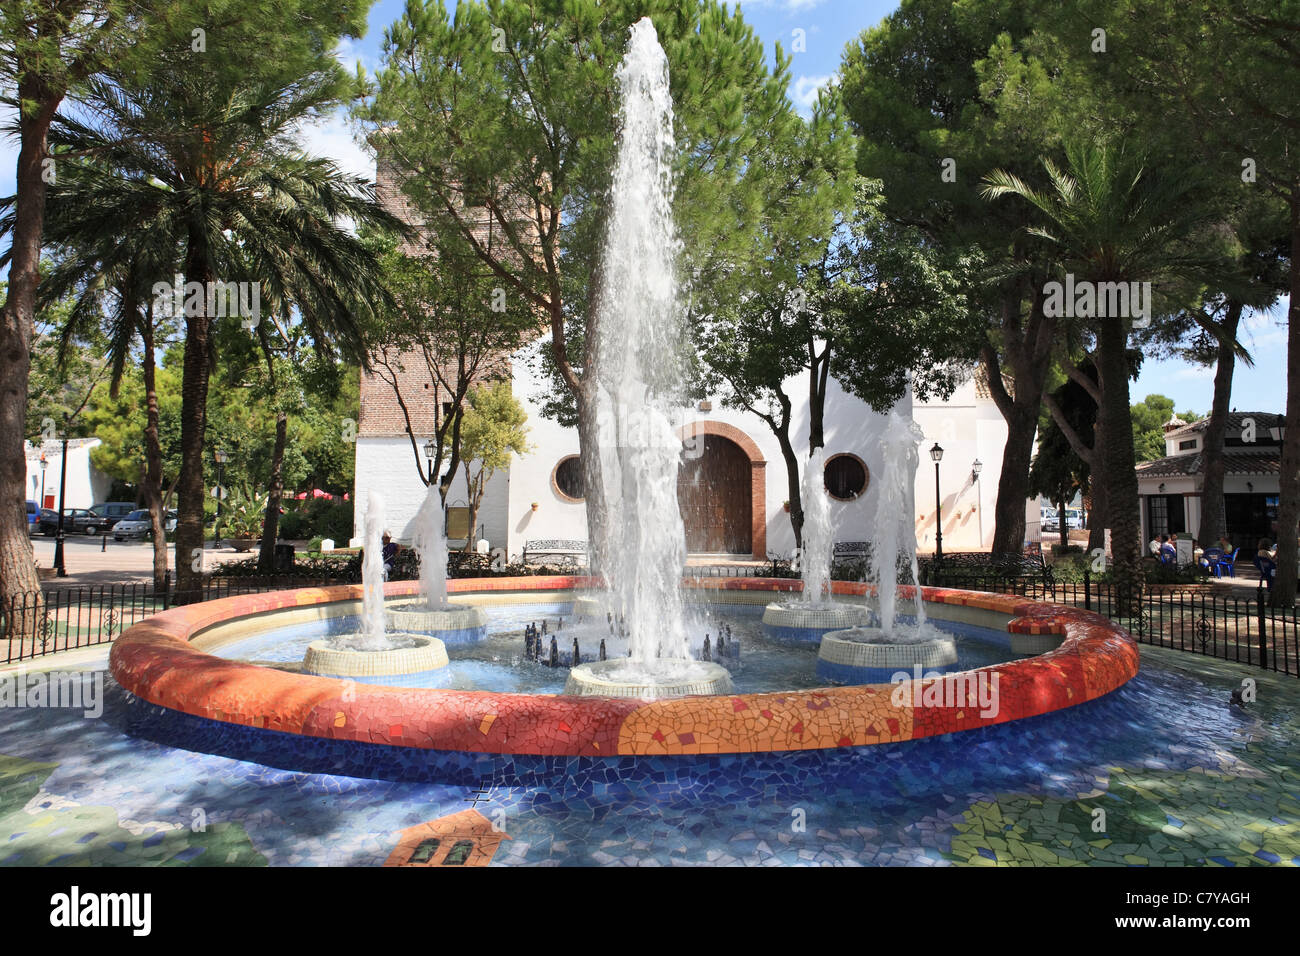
(1233, 626)
(1204, 619)
(65, 618)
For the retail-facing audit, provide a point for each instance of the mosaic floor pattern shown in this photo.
(1182, 775)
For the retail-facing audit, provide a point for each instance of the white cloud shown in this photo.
(333, 139)
(805, 89)
(1196, 371)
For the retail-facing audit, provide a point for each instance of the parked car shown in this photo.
(33, 515)
(139, 524)
(1050, 521)
(108, 514)
(75, 521)
(1074, 518)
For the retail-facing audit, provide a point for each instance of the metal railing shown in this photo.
(1201, 619)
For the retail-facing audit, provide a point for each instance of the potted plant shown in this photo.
(242, 518)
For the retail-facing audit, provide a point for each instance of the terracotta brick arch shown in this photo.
(757, 480)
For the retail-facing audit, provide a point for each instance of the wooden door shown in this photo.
(714, 494)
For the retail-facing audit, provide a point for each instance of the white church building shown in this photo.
(733, 494)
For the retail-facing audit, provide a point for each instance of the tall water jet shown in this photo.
(431, 613)
(639, 381)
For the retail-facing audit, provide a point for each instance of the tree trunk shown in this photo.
(271, 524)
(792, 480)
(1013, 480)
(1288, 515)
(1097, 517)
(19, 585)
(1063, 525)
(1120, 464)
(474, 490)
(194, 420)
(1212, 513)
(152, 484)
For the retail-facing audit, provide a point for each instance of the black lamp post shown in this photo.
(976, 467)
(430, 450)
(221, 457)
(59, 569)
(937, 454)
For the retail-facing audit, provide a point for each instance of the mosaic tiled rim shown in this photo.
(155, 661)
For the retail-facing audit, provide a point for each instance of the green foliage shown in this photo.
(493, 428)
(242, 513)
(1149, 417)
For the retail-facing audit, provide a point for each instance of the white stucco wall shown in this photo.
(966, 427)
(86, 485)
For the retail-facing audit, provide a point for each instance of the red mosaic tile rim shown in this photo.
(155, 661)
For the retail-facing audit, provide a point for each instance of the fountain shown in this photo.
(431, 612)
(373, 653)
(639, 381)
(861, 654)
(806, 620)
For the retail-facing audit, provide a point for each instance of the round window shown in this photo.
(846, 477)
(568, 478)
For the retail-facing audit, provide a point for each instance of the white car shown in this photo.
(139, 525)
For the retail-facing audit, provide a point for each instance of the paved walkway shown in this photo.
(91, 561)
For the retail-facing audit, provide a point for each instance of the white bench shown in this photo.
(568, 550)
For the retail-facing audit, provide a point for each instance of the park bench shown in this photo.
(567, 550)
(979, 565)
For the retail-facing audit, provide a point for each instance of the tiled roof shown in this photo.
(1236, 423)
(1234, 463)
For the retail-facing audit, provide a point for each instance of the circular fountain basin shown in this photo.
(181, 695)
(863, 655)
(416, 655)
(668, 678)
(802, 623)
(451, 623)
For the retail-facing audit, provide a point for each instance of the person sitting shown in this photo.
(1168, 553)
(389, 554)
(1264, 561)
(1154, 546)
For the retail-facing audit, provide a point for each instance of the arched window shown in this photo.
(846, 477)
(567, 479)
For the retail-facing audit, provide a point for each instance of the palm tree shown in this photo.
(210, 168)
(1109, 217)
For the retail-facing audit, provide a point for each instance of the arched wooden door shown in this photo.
(715, 495)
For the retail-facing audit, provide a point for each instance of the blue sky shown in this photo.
(827, 26)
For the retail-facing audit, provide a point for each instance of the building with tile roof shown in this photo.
(1172, 488)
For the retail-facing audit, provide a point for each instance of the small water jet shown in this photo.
(806, 620)
(431, 612)
(373, 652)
(863, 654)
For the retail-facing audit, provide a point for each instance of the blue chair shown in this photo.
(1210, 559)
(1168, 555)
(1228, 563)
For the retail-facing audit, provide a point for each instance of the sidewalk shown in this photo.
(120, 562)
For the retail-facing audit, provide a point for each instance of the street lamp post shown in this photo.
(59, 569)
(976, 467)
(937, 454)
(221, 457)
(430, 450)
(44, 464)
